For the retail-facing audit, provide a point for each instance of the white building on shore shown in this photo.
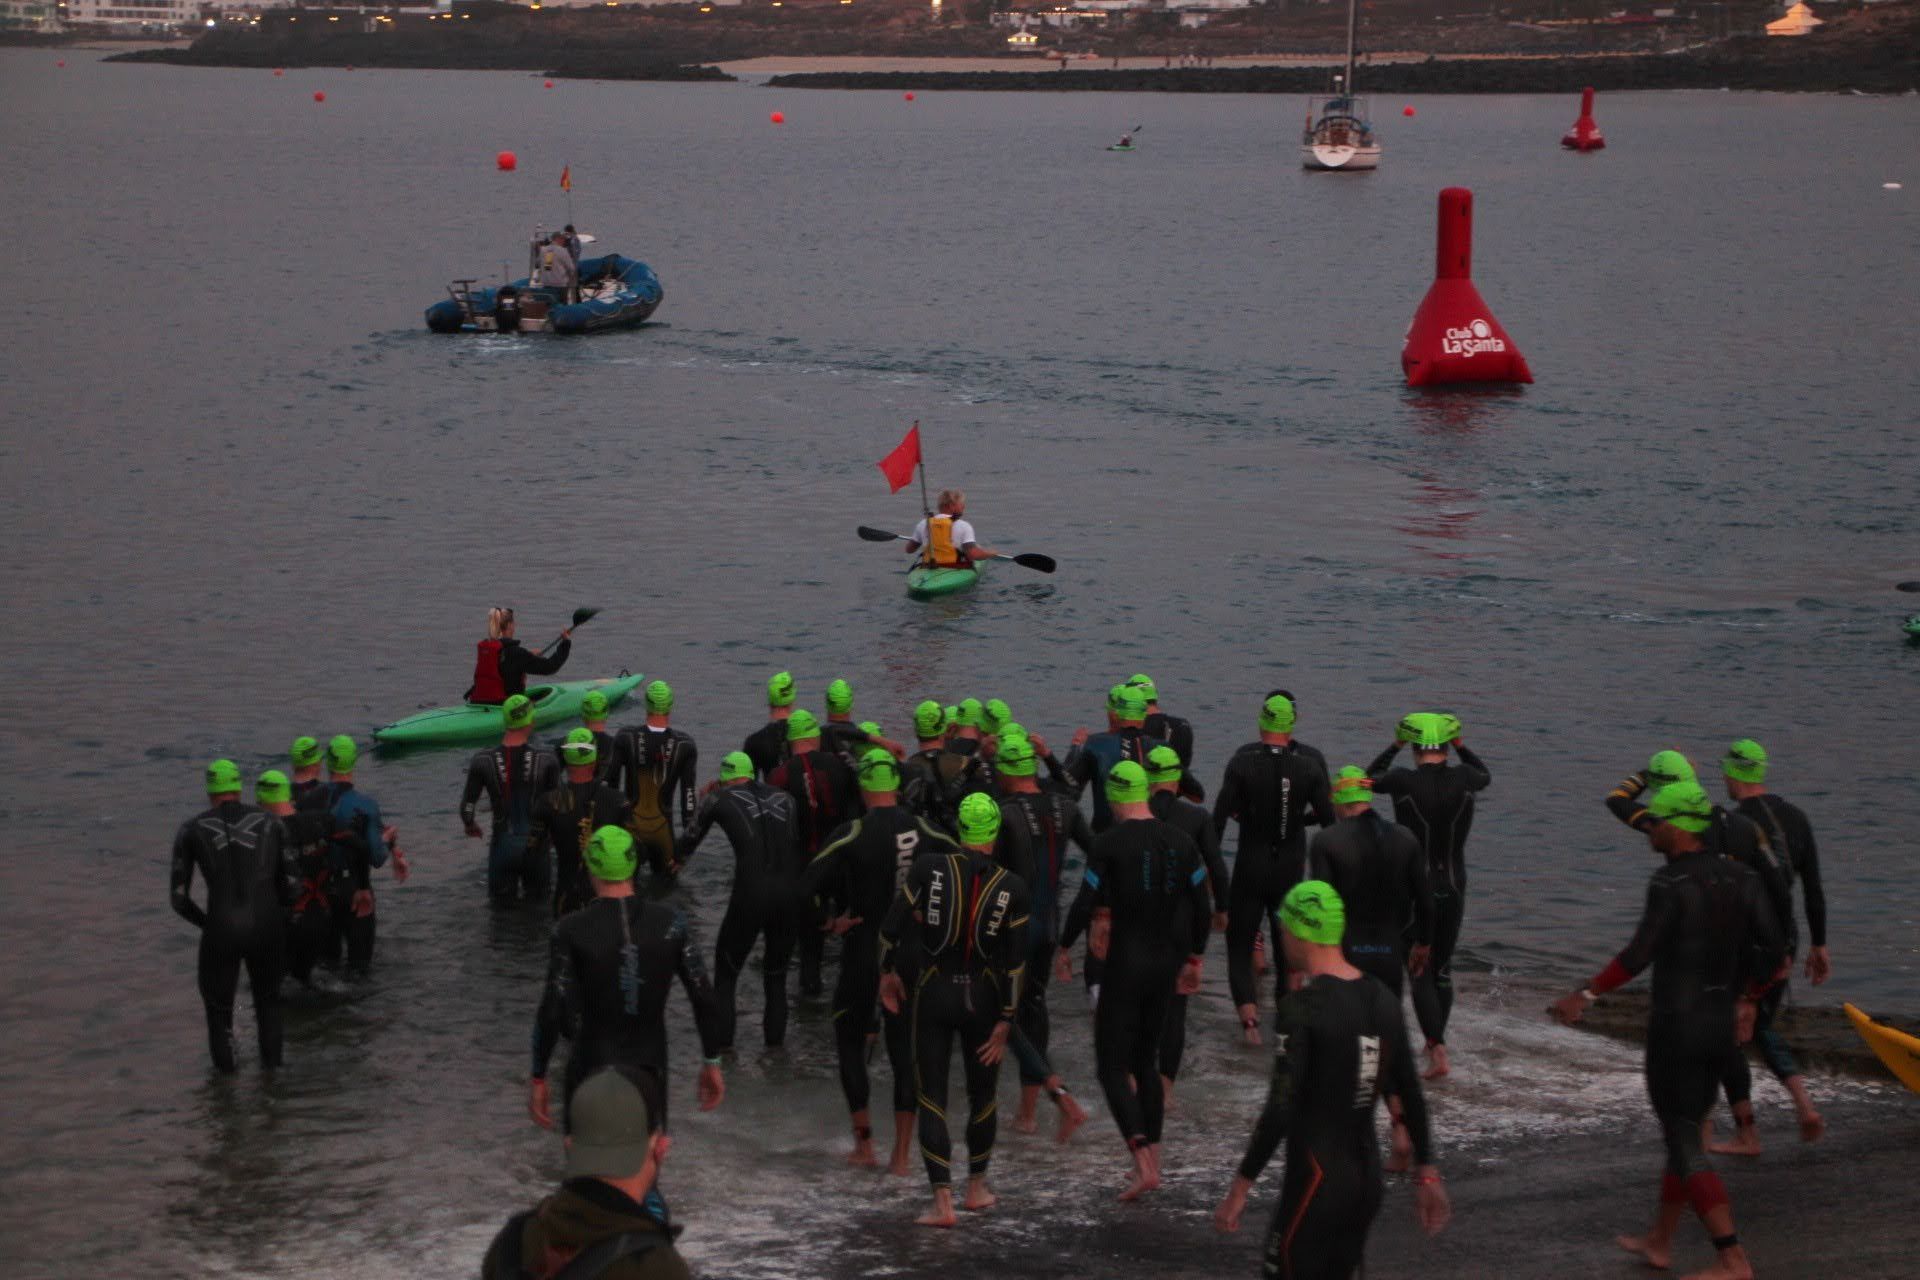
(139, 14)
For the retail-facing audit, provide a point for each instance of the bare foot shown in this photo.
(862, 1157)
(1813, 1126)
(1072, 1116)
(1723, 1269)
(900, 1166)
(1659, 1257)
(1437, 1065)
(941, 1215)
(1745, 1142)
(980, 1196)
(1146, 1175)
(1026, 1120)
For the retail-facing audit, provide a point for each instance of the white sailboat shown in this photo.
(1338, 133)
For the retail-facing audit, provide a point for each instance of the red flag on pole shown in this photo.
(566, 178)
(898, 466)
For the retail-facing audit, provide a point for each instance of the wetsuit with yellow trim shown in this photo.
(970, 919)
(565, 818)
(655, 769)
(1342, 1044)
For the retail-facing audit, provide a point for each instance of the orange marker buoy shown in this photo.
(1407, 112)
(777, 118)
(1454, 337)
(319, 96)
(1585, 134)
(507, 161)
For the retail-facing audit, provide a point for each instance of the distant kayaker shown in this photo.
(946, 541)
(502, 666)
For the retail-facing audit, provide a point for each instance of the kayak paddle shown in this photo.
(1026, 560)
(580, 618)
(1908, 586)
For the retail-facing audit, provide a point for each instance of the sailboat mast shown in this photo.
(1353, 24)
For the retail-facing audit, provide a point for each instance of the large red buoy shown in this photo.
(1454, 337)
(507, 161)
(1585, 134)
(319, 95)
(777, 118)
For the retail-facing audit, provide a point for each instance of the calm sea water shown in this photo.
(247, 496)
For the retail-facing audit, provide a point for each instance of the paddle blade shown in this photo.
(583, 615)
(1034, 560)
(1908, 586)
(880, 535)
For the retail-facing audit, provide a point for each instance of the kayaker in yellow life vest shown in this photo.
(945, 541)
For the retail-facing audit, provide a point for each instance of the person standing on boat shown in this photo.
(503, 665)
(946, 541)
(557, 269)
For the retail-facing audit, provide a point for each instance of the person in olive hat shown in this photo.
(655, 766)
(309, 835)
(241, 856)
(362, 837)
(565, 818)
(511, 776)
(1712, 940)
(824, 796)
(1093, 756)
(767, 745)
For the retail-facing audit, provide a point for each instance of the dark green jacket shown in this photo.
(583, 1212)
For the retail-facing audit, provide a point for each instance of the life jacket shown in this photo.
(940, 551)
(488, 686)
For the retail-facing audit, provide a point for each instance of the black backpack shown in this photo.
(503, 1258)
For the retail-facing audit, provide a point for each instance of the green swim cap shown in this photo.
(1428, 730)
(1016, 757)
(272, 787)
(979, 819)
(1126, 783)
(580, 748)
(1276, 714)
(1163, 765)
(929, 718)
(1144, 683)
(1352, 786)
(996, 716)
(1668, 767)
(952, 719)
(735, 765)
(609, 855)
(878, 771)
(801, 725)
(341, 754)
(223, 778)
(871, 728)
(780, 690)
(1127, 702)
(839, 698)
(659, 697)
(593, 706)
(305, 752)
(1746, 761)
(970, 713)
(1313, 911)
(518, 711)
(1684, 804)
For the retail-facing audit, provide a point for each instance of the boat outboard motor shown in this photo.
(506, 309)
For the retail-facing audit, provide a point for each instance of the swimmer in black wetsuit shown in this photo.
(920, 784)
(1712, 940)
(593, 718)
(1093, 756)
(360, 832)
(760, 823)
(1342, 1046)
(840, 735)
(1274, 787)
(970, 918)
(309, 835)
(654, 766)
(767, 745)
(824, 796)
(1381, 876)
(307, 784)
(566, 817)
(1149, 877)
(512, 776)
(1164, 774)
(1434, 800)
(609, 968)
(241, 855)
(1172, 730)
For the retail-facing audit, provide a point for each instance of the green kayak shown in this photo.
(1913, 626)
(468, 722)
(924, 582)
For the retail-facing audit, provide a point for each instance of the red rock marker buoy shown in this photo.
(549, 84)
(61, 63)
(318, 96)
(1407, 112)
(1454, 337)
(1585, 134)
(279, 71)
(777, 118)
(507, 161)
(909, 96)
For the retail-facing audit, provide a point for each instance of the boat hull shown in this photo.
(1898, 1050)
(619, 294)
(1344, 158)
(927, 583)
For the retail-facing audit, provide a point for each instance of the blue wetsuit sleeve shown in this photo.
(550, 1020)
(376, 828)
(1291, 1061)
(1217, 875)
(180, 884)
(1202, 922)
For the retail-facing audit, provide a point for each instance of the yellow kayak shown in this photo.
(1900, 1051)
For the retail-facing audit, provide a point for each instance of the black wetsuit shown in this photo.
(243, 858)
(1036, 829)
(1342, 1044)
(1382, 877)
(767, 748)
(310, 837)
(512, 778)
(1150, 875)
(1274, 792)
(1435, 802)
(920, 788)
(358, 845)
(1197, 824)
(970, 920)
(565, 818)
(1791, 855)
(1709, 934)
(517, 662)
(845, 739)
(609, 968)
(763, 829)
(1093, 760)
(655, 770)
(825, 795)
(858, 872)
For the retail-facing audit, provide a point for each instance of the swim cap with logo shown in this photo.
(735, 765)
(780, 690)
(1313, 911)
(839, 697)
(580, 748)
(1127, 702)
(1016, 757)
(929, 718)
(1684, 804)
(1126, 783)
(979, 819)
(1746, 761)
(1163, 765)
(341, 753)
(659, 697)
(1428, 730)
(970, 713)
(305, 752)
(223, 778)
(272, 787)
(801, 725)
(1352, 786)
(995, 716)
(1668, 767)
(518, 711)
(871, 728)
(593, 705)
(1276, 714)
(878, 771)
(609, 855)
(1144, 683)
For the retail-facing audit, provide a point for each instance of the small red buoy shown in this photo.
(63, 62)
(279, 71)
(349, 66)
(1585, 134)
(1407, 112)
(1454, 337)
(777, 118)
(549, 84)
(507, 161)
(319, 96)
(909, 96)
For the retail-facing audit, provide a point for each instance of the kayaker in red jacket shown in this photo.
(502, 666)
